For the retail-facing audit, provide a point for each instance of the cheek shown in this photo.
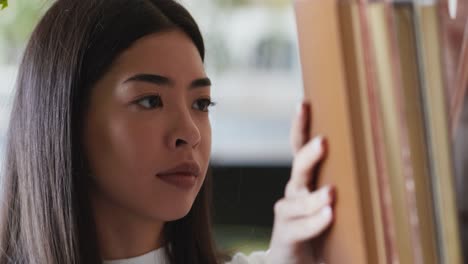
(205, 143)
(122, 143)
(122, 153)
(137, 140)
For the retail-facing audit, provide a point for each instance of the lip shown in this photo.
(183, 175)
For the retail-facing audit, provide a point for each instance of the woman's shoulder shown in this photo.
(257, 257)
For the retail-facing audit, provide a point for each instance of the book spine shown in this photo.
(439, 136)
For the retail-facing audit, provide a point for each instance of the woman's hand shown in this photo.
(302, 214)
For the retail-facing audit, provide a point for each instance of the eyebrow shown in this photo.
(165, 81)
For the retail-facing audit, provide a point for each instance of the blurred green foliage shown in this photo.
(21, 16)
(3, 4)
(16, 25)
(246, 239)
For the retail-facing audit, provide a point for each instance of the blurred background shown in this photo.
(252, 59)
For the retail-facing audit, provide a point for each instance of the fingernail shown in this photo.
(325, 193)
(318, 143)
(326, 212)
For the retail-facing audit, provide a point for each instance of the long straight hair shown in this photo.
(46, 216)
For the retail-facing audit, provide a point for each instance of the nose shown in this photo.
(184, 132)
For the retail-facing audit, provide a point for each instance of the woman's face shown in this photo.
(147, 129)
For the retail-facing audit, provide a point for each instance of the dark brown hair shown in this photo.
(46, 216)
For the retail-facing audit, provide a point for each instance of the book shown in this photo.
(374, 76)
(325, 87)
(394, 140)
(439, 143)
(454, 35)
(372, 184)
(412, 105)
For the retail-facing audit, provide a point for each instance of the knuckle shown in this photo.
(302, 207)
(315, 226)
(316, 199)
(288, 189)
(279, 207)
(296, 160)
(298, 164)
(320, 223)
(310, 206)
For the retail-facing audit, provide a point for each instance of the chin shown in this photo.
(173, 212)
(173, 216)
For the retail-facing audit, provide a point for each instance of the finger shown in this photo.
(304, 163)
(306, 228)
(300, 127)
(299, 207)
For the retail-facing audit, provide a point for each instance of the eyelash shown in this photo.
(207, 102)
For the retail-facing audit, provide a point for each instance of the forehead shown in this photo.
(169, 53)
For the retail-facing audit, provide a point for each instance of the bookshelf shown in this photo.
(387, 82)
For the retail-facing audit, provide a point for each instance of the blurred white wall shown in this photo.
(252, 58)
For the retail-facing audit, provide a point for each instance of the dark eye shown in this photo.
(150, 102)
(203, 104)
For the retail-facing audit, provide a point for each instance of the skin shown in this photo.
(301, 215)
(127, 143)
